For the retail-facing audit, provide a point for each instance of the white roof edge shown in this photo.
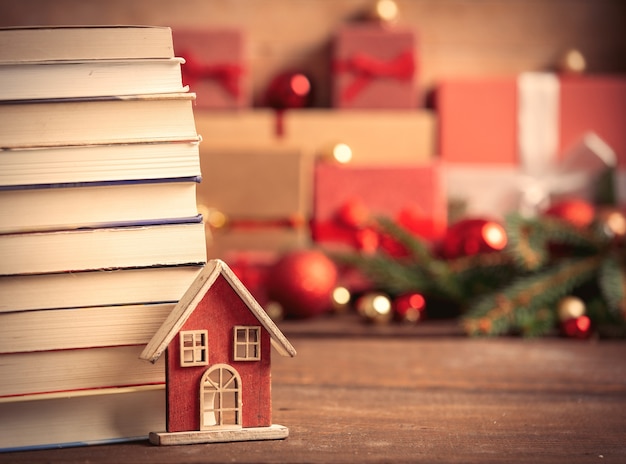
(181, 312)
(279, 341)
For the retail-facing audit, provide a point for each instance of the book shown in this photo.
(165, 284)
(100, 234)
(89, 78)
(85, 42)
(117, 246)
(45, 372)
(97, 120)
(64, 329)
(97, 163)
(95, 204)
(82, 417)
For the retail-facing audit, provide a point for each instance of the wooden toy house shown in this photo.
(217, 341)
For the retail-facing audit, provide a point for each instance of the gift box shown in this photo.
(346, 197)
(235, 129)
(517, 143)
(374, 66)
(493, 190)
(594, 103)
(215, 66)
(500, 120)
(254, 199)
(375, 137)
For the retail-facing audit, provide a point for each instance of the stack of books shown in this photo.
(100, 235)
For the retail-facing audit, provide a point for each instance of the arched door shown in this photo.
(220, 397)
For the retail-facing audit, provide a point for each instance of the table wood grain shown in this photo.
(428, 394)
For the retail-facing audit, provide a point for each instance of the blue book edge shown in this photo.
(75, 444)
(106, 183)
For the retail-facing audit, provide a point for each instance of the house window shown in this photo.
(194, 348)
(247, 343)
(220, 398)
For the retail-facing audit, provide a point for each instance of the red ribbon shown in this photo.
(293, 222)
(228, 75)
(366, 68)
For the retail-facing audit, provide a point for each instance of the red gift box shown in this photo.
(215, 67)
(479, 118)
(596, 103)
(374, 67)
(531, 138)
(344, 196)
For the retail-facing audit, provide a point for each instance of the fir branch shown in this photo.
(389, 275)
(530, 239)
(482, 273)
(434, 274)
(418, 251)
(527, 245)
(558, 231)
(612, 282)
(501, 312)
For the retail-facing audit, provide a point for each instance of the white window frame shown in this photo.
(196, 354)
(250, 343)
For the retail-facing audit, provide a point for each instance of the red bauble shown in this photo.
(577, 212)
(472, 236)
(577, 327)
(353, 213)
(410, 307)
(302, 282)
(289, 90)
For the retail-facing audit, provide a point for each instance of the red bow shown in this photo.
(227, 75)
(366, 68)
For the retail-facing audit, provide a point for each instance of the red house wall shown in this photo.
(220, 310)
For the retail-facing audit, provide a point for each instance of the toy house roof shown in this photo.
(192, 297)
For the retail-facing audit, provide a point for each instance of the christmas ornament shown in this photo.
(572, 62)
(613, 222)
(341, 298)
(570, 307)
(384, 11)
(289, 90)
(577, 212)
(374, 307)
(410, 307)
(339, 152)
(367, 240)
(353, 213)
(471, 236)
(577, 327)
(302, 282)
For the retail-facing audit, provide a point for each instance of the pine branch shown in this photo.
(530, 239)
(527, 245)
(528, 297)
(482, 273)
(612, 283)
(561, 232)
(417, 249)
(388, 274)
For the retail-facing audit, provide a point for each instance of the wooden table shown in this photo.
(420, 394)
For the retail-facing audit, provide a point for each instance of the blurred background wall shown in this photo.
(456, 37)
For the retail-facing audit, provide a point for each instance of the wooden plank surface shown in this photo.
(421, 394)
